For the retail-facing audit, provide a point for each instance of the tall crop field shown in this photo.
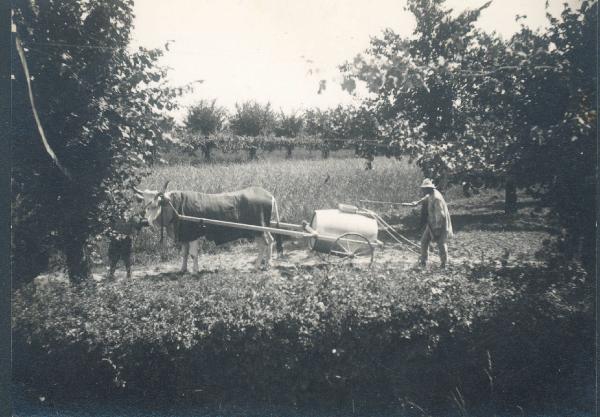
(300, 186)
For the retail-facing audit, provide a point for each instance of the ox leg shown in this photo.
(127, 256)
(186, 250)
(128, 266)
(113, 267)
(194, 249)
(265, 250)
(260, 242)
(269, 248)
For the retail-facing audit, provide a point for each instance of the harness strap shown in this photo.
(162, 225)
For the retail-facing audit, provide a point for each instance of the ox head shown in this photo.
(157, 210)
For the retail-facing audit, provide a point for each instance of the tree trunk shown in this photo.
(510, 197)
(443, 181)
(206, 151)
(28, 261)
(466, 188)
(78, 265)
(252, 153)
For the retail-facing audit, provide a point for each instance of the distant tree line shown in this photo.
(253, 126)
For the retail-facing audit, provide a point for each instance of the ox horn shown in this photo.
(164, 187)
(138, 191)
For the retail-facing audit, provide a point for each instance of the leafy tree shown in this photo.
(288, 126)
(566, 137)
(332, 126)
(204, 119)
(419, 83)
(314, 121)
(364, 131)
(252, 119)
(101, 107)
(317, 125)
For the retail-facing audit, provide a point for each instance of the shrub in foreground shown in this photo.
(469, 337)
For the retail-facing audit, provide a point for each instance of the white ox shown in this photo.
(252, 206)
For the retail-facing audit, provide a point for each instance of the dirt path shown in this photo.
(241, 258)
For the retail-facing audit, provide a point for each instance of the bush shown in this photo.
(500, 338)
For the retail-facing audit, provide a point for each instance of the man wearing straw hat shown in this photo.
(439, 224)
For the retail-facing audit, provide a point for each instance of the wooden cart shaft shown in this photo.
(292, 233)
(244, 226)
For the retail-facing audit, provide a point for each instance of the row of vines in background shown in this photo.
(204, 146)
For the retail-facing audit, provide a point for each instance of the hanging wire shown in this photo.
(73, 45)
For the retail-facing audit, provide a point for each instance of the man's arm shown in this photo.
(415, 203)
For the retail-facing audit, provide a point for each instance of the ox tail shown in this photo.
(278, 237)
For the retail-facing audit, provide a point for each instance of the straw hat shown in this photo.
(427, 183)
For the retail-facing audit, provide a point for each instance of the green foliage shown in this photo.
(421, 88)
(206, 118)
(345, 126)
(569, 143)
(252, 119)
(328, 124)
(377, 337)
(288, 125)
(101, 107)
(230, 143)
(203, 119)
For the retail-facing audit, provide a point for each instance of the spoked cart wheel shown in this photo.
(351, 248)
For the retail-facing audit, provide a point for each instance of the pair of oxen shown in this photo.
(163, 210)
